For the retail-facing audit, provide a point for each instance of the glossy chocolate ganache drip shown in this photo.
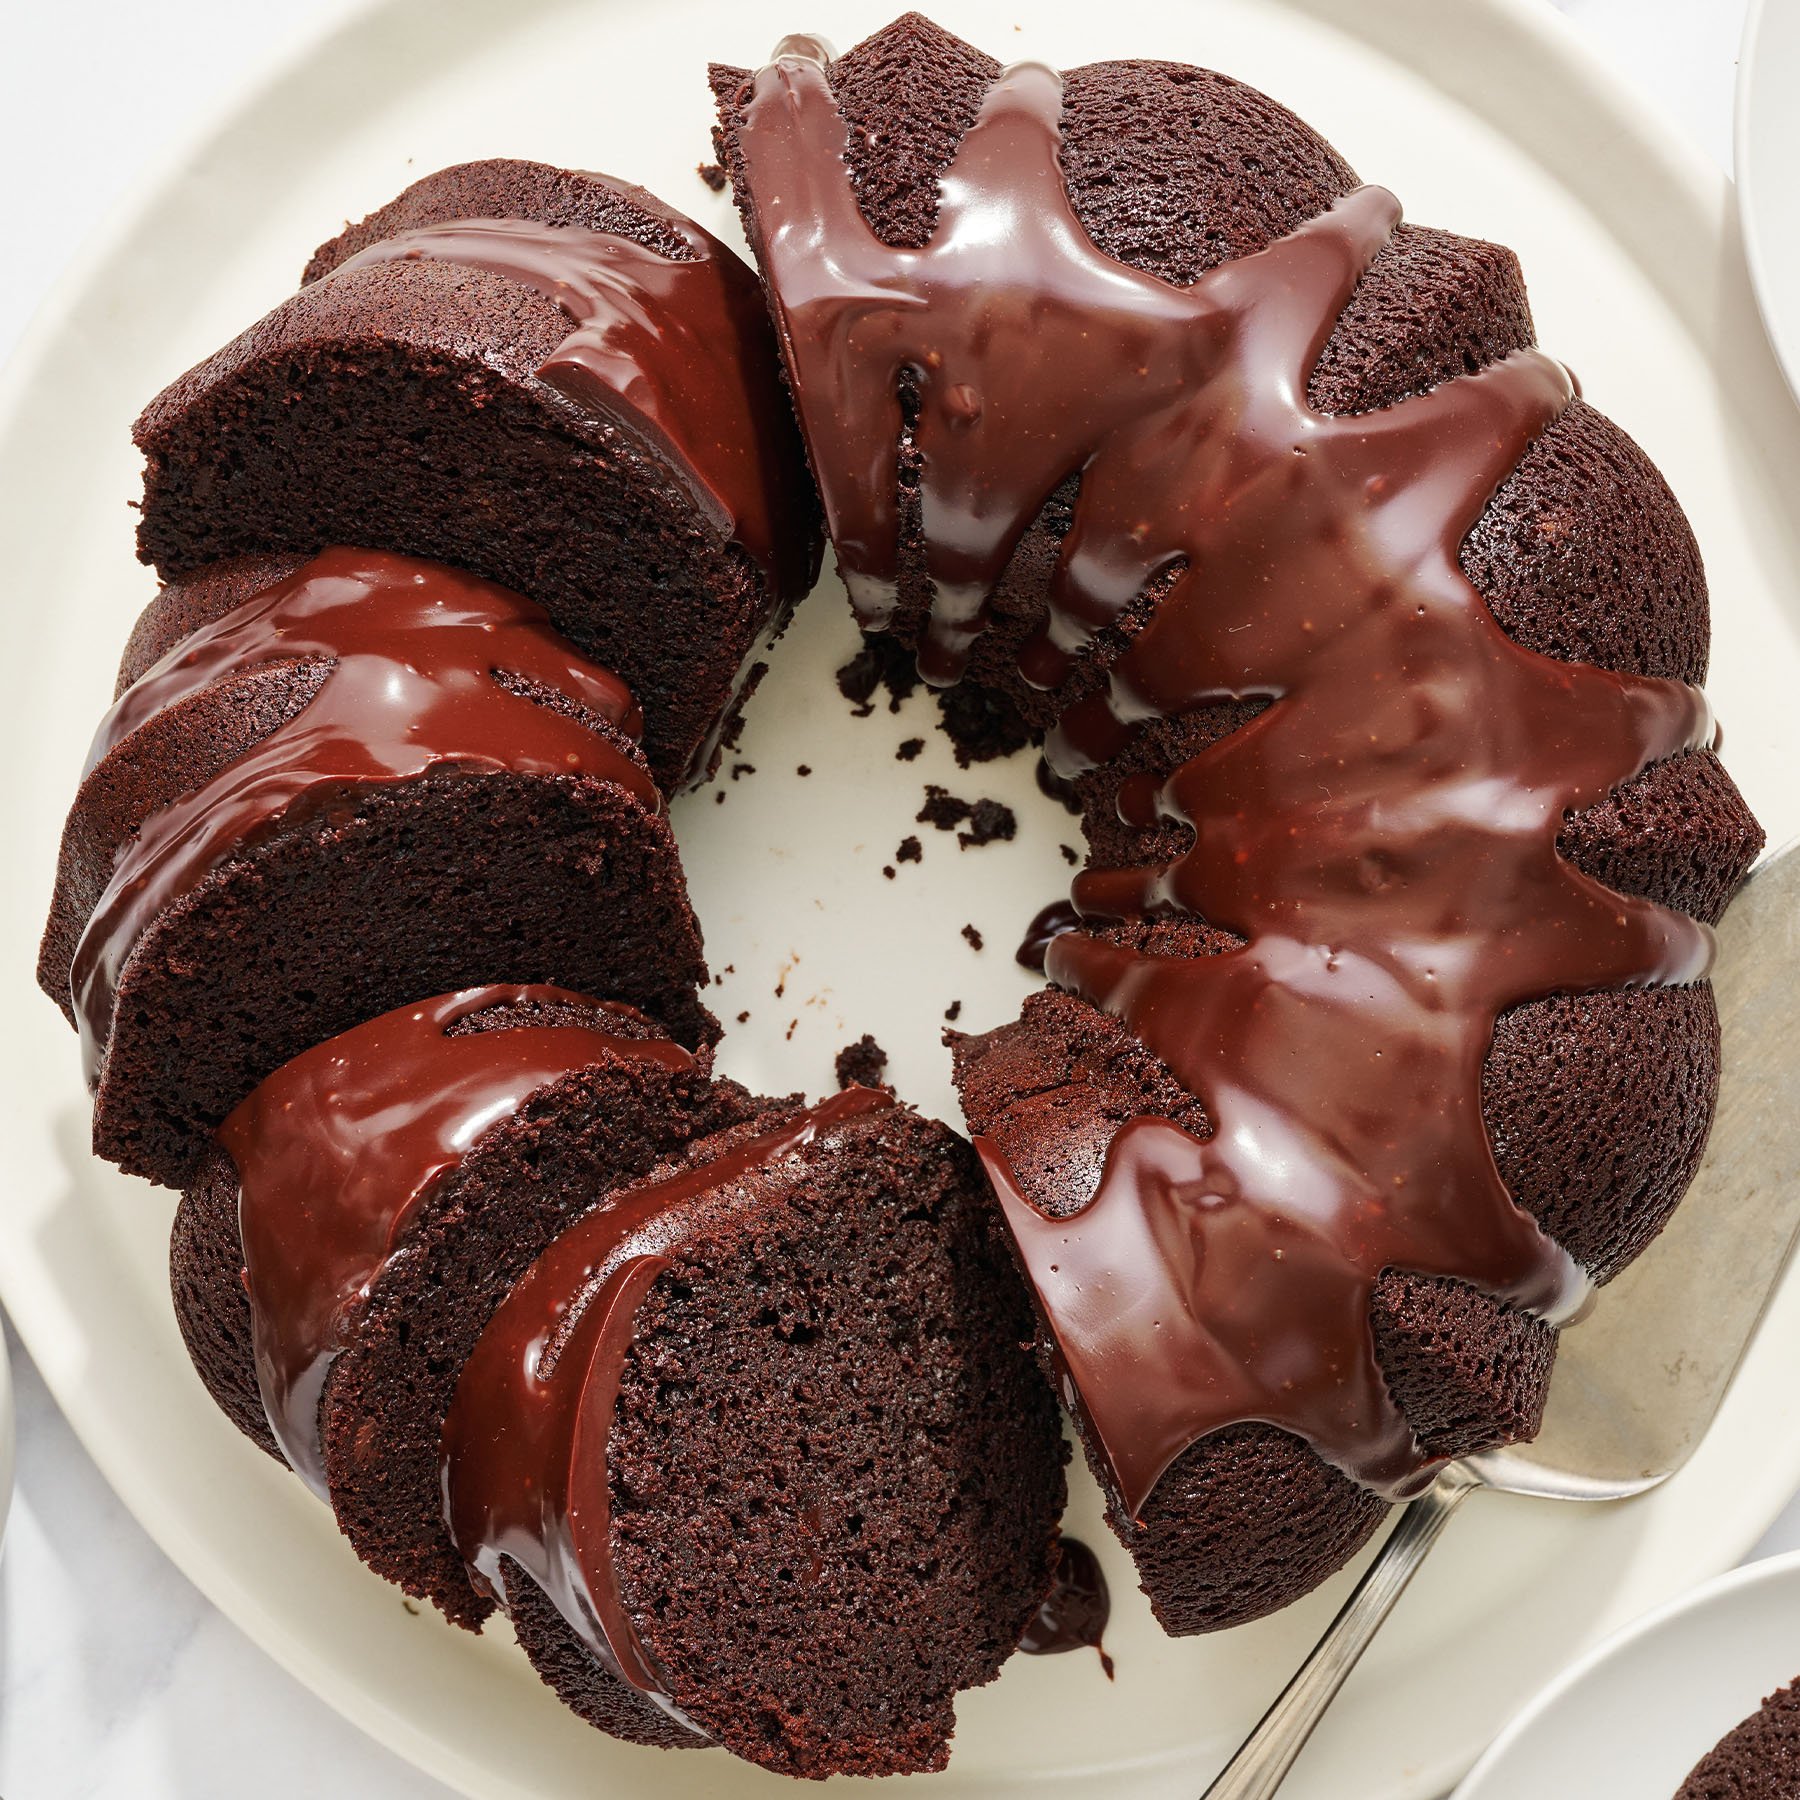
(421, 658)
(1074, 1613)
(338, 1149)
(1381, 837)
(525, 1445)
(675, 351)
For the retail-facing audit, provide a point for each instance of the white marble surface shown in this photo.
(118, 1681)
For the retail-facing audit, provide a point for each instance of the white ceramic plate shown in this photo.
(6, 1438)
(1631, 1719)
(1767, 152)
(1485, 116)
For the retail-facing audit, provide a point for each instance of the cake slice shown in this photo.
(365, 1208)
(1758, 1760)
(785, 1472)
(541, 375)
(752, 1453)
(330, 786)
(1367, 648)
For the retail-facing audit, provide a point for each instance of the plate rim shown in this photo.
(1682, 169)
(1724, 1586)
(1747, 182)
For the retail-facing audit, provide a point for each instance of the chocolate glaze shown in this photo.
(1049, 924)
(525, 1444)
(1381, 837)
(337, 1150)
(1075, 1611)
(674, 351)
(415, 651)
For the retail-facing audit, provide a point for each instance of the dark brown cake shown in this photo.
(608, 1098)
(1760, 1760)
(829, 1474)
(343, 807)
(409, 400)
(831, 1477)
(1596, 1104)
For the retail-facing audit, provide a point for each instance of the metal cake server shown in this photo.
(1638, 1382)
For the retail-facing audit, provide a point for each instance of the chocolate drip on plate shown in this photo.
(337, 1150)
(1381, 836)
(421, 657)
(1075, 1611)
(674, 351)
(1049, 924)
(525, 1472)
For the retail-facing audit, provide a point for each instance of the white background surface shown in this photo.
(116, 1678)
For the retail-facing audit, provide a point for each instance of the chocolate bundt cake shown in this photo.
(691, 1447)
(1367, 648)
(543, 376)
(1759, 1760)
(331, 786)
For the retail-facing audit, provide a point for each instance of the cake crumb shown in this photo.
(793, 1026)
(988, 821)
(718, 796)
(739, 770)
(971, 937)
(887, 869)
(861, 1064)
(1070, 854)
(909, 750)
(882, 662)
(744, 1018)
(713, 174)
(910, 850)
(953, 1011)
(803, 769)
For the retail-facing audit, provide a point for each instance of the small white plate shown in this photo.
(6, 1438)
(1767, 154)
(1631, 1719)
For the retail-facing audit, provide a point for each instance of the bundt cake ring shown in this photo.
(1365, 650)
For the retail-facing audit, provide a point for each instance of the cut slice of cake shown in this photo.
(332, 786)
(544, 376)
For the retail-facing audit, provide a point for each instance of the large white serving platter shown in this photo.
(1484, 116)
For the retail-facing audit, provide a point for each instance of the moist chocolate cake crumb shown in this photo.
(909, 750)
(971, 937)
(943, 809)
(803, 769)
(743, 1018)
(718, 796)
(887, 869)
(739, 770)
(1070, 854)
(953, 1011)
(882, 662)
(988, 820)
(910, 850)
(713, 175)
(861, 1064)
(981, 724)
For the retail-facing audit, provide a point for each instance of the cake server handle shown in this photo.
(1267, 1754)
